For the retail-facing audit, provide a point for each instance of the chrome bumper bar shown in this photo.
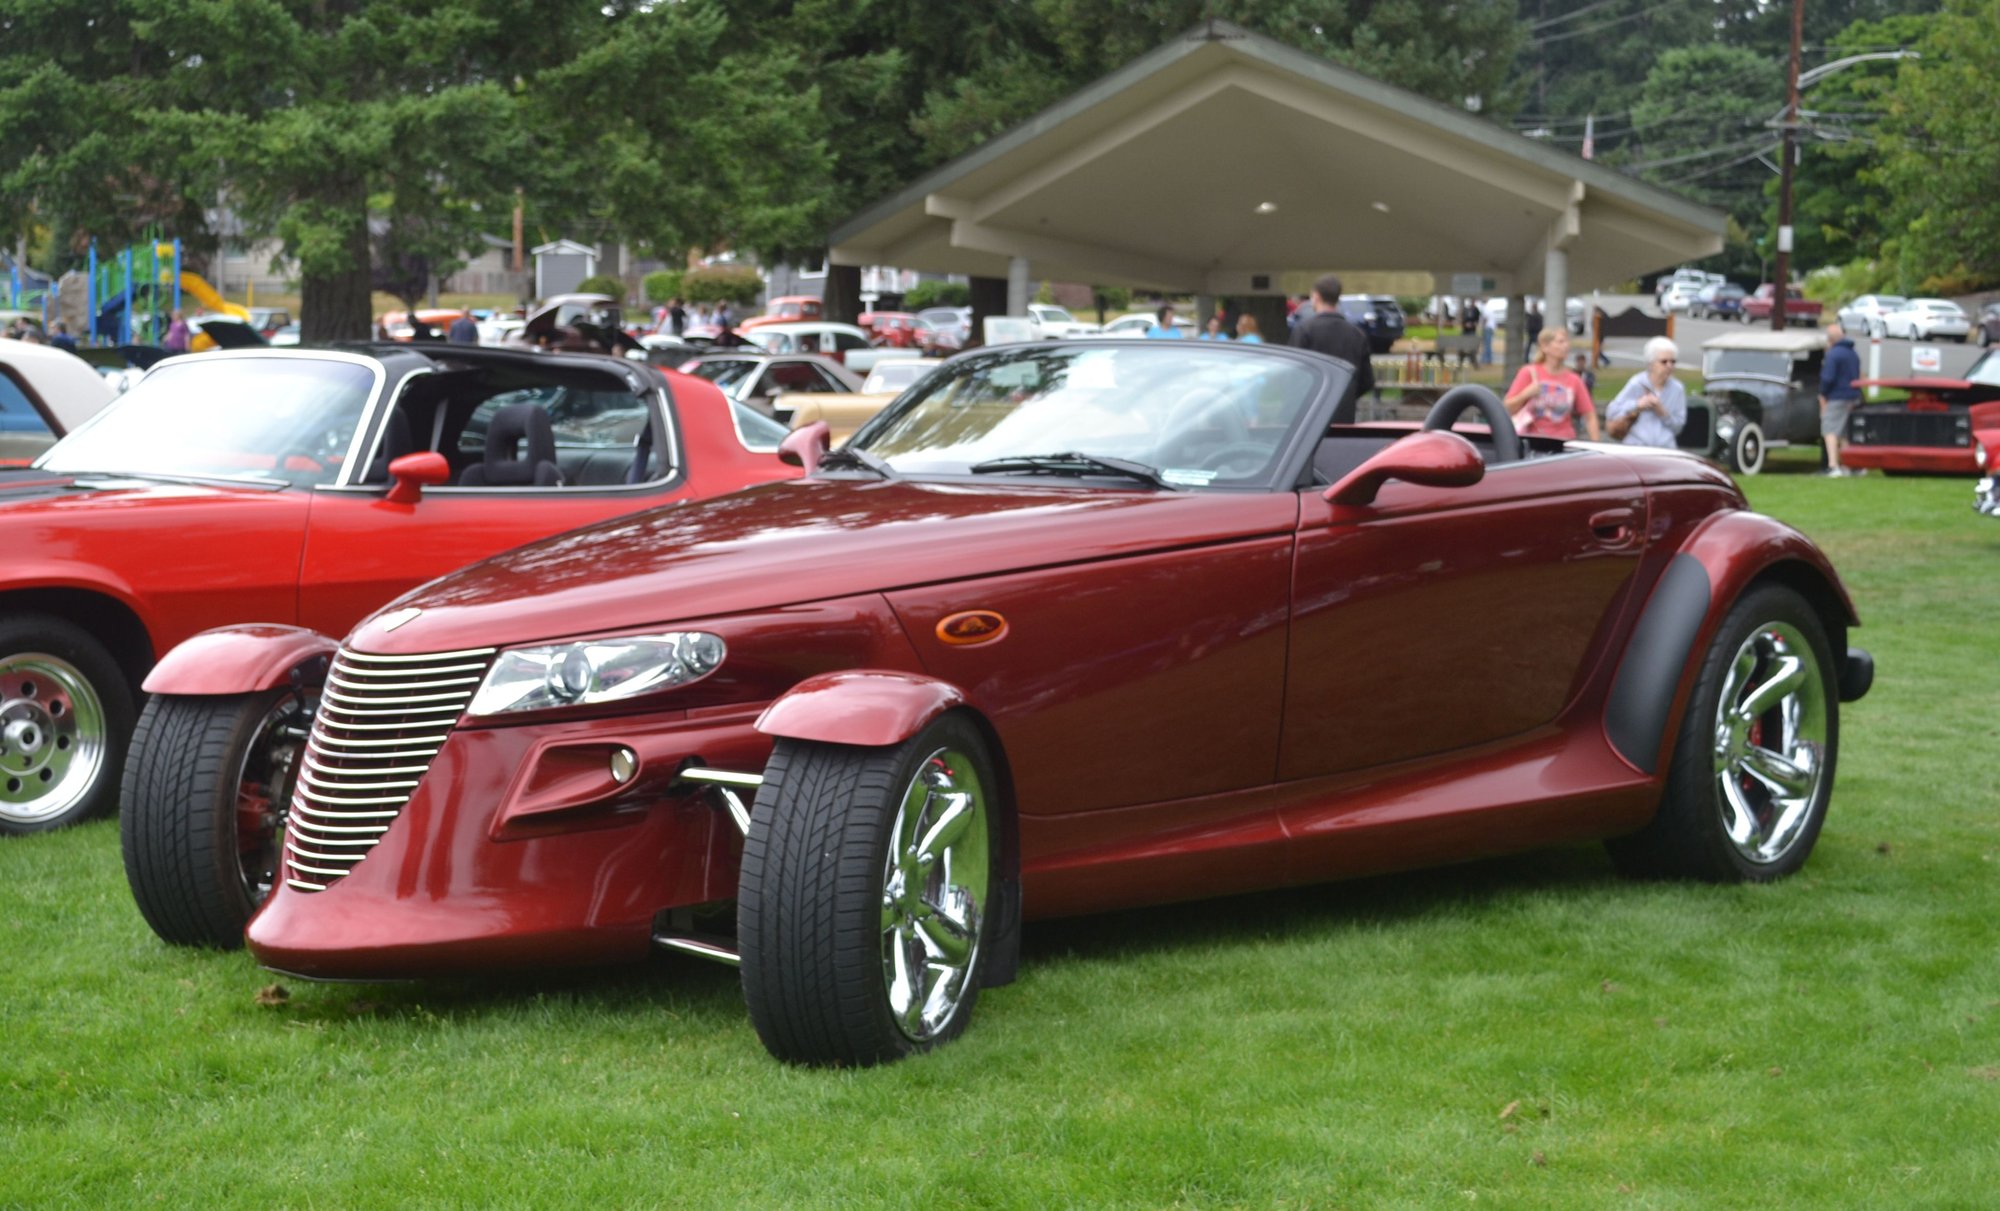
(725, 783)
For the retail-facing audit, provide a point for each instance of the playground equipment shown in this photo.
(134, 294)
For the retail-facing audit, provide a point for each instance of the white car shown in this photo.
(1053, 321)
(1928, 319)
(1129, 326)
(1863, 316)
(44, 393)
(1681, 293)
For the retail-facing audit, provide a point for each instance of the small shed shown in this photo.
(561, 266)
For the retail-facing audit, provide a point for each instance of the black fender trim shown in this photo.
(1642, 694)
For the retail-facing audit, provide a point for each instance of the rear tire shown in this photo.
(65, 719)
(206, 793)
(1753, 765)
(861, 944)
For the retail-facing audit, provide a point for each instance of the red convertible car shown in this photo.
(1069, 627)
(306, 488)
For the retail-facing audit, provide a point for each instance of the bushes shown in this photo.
(662, 286)
(937, 294)
(602, 283)
(739, 284)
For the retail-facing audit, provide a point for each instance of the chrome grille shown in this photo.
(381, 721)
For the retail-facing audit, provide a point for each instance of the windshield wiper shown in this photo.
(860, 458)
(1075, 462)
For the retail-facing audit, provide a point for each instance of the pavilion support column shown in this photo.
(1555, 287)
(1017, 286)
(989, 297)
(1204, 307)
(843, 293)
(1517, 334)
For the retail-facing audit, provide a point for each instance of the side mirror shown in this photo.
(410, 474)
(1433, 458)
(805, 447)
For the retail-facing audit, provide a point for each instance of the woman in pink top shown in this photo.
(1547, 396)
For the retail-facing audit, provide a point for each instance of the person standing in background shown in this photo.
(176, 340)
(1331, 333)
(1651, 409)
(1837, 396)
(1547, 395)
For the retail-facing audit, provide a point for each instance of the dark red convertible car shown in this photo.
(305, 487)
(1068, 627)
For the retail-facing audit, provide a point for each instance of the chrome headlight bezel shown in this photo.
(587, 672)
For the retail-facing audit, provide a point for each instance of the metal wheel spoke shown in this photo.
(905, 999)
(933, 891)
(1778, 772)
(1788, 674)
(1739, 818)
(951, 822)
(948, 939)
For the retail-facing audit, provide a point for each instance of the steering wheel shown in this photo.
(1473, 397)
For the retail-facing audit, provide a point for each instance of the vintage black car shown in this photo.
(1761, 389)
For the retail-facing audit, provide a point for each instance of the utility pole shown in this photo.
(1782, 279)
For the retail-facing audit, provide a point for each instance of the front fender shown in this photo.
(244, 659)
(871, 707)
(1722, 558)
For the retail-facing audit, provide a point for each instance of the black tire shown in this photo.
(65, 719)
(199, 854)
(819, 917)
(1746, 449)
(1689, 836)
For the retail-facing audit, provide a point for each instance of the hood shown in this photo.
(797, 541)
(46, 496)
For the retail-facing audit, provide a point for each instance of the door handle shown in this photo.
(1614, 526)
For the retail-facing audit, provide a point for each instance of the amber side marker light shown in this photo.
(971, 626)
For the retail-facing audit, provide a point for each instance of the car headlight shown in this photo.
(595, 670)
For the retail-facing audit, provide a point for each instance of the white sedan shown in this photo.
(1053, 321)
(1928, 319)
(1863, 316)
(44, 393)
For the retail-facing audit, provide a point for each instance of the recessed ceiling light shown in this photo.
(1267, 208)
(1381, 206)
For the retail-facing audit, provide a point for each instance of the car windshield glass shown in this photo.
(724, 373)
(1986, 370)
(755, 430)
(289, 419)
(894, 376)
(1724, 362)
(1202, 415)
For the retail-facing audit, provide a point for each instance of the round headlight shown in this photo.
(570, 677)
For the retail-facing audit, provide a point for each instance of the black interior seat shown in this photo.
(396, 442)
(520, 451)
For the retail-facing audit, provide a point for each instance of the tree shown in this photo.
(1941, 153)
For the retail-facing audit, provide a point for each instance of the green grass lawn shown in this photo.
(1531, 1032)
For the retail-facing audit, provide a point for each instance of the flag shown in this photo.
(1589, 143)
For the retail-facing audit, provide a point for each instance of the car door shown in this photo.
(1441, 619)
(363, 550)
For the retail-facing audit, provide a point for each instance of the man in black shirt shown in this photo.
(1329, 332)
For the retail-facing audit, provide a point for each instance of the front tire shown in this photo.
(1746, 449)
(1752, 768)
(206, 794)
(65, 718)
(863, 903)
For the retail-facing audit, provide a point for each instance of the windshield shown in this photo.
(1985, 371)
(1202, 416)
(289, 419)
(1724, 362)
(894, 376)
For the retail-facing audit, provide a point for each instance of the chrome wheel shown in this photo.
(934, 885)
(1770, 742)
(53, 739)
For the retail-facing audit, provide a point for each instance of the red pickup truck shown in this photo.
(1799, 310)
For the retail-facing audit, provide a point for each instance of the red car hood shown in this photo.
(51, 498)
(802, 540)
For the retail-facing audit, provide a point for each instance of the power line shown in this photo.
(1572, 15)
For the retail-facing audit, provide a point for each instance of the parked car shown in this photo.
(1073, 626)
(1863, 316)
(1800, 311)
(835, 341)
(270, 320)
(1948, 426)
(951, 327)
(1717, 301)
(786, 309)
(1681, 294)
(1684, 278)
(1126, 327)
(1987, 324)
(437, 322)
(44, 393)
(1379, 317)
(285, 337)
(1759, 389)
(1928, 320)
(843, 414)
(302, 487)
(893, 329)
(1051, 321)
(756, 378)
